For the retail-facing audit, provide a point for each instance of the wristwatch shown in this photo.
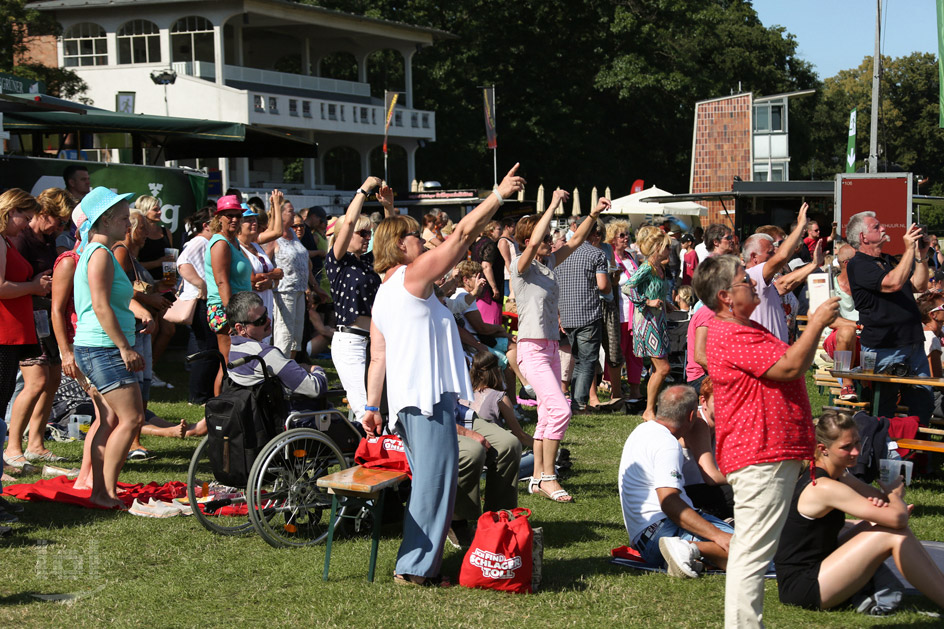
(362, 191)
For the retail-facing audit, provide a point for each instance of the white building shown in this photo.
(226, 55)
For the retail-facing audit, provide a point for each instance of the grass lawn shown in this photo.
(130, 571)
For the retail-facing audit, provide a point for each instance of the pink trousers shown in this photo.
(539, 361)
(633, 362)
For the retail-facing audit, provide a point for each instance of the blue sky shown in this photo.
(836, 35)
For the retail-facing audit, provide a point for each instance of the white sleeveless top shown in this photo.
(424, 354)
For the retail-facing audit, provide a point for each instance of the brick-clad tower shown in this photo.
(721, 149)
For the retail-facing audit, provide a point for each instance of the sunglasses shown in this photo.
(745, 281)
(777, 243)
(416, 234)
(622, 235)
(298, 226)
(260, 321)
(364, 233)
(231, 217)
(938, 309)
(728, 237)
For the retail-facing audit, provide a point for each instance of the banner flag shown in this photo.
(390, 102)
(490, 135)
(850, 150)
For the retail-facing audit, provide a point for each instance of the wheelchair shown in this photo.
(281, 500)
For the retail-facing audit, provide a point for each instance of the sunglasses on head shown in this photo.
(260, 321)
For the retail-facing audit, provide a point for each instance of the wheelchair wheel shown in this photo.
(231, 499)
(286, 505)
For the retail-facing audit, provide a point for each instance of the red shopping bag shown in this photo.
(500, 555)
(384, 452)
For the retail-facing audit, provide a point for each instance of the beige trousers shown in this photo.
(762, 495)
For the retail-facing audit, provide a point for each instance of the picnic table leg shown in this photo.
(334, 511)
(377, 512)
(876, 397)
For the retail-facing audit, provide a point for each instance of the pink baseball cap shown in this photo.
(78, 216)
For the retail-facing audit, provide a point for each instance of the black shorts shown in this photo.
(799, 587)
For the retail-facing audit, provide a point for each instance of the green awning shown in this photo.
(181, 137)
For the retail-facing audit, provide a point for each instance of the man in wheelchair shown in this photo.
(251, 324)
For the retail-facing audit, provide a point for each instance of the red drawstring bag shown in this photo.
(500, 555)
(384, 452)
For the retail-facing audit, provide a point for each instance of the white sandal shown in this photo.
(534, 485)
(559, 495)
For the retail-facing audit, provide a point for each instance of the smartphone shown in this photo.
(818, 289)
(925, 241)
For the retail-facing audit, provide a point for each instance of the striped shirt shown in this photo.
(294, 378)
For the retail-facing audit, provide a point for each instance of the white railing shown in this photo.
(298, 81)
(200, 69)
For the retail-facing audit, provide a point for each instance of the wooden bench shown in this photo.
(919, 444)
(358, 487)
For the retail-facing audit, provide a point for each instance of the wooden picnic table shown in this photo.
(880, 379)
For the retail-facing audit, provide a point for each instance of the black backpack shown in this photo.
(240, 421)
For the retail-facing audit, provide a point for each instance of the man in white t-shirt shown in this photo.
(661, 522)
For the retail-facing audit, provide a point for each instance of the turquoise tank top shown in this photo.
(240, 271)
(89, 332)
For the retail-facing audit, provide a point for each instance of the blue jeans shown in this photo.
(585, 346)
(432, 450)
(650, 550)
(918, 399)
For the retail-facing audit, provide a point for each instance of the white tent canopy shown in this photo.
(633, 204)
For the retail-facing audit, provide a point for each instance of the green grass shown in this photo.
(131, 571)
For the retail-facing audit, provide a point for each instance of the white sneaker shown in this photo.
(680, 556)
(157, 382)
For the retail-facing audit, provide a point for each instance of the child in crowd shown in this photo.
(705, 485)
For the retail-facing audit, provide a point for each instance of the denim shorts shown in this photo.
(104, 368)
(667, 528)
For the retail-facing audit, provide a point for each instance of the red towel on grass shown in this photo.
(60, 489)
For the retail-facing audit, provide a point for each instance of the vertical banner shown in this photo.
(940, 62)
(490, 135)
(390, 102)
(850, 150)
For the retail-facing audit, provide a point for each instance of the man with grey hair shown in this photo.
(763, 262)
(883, 292)
(663, 525)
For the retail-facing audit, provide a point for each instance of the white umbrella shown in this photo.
(594, 197)
(633, 204)
(541, 199)
(576, 210)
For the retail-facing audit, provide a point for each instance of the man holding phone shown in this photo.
(883, 292)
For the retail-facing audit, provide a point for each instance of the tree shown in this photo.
(17, 23)
(588, 93)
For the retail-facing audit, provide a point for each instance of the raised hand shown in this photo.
(802, 219)
(275, 200)
(912, 236)
(385, 196)
(511, 183)
(602, 204)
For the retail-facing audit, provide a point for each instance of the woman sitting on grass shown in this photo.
(823, 560)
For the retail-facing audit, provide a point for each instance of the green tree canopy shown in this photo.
(18, 22)
(588, 93)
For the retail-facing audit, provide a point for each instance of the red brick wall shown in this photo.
(40, 49)
(722, 149)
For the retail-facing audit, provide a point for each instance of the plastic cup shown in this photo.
(909, 467)
(868, 362)
(888, 469)
(843, 360)
(172, 252)
(170, 271)
(75, 425)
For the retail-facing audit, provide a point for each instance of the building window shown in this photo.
(191, 39)
(778, 172)
(292, 107)
(414, 120)
(306, 108)
(768, 118)
(342, 108)
(364, 115)
(373, 116)
(139, 41)
(273, 105)
(426, 121)
(398, 118)
(84, 45)
(259, 103)
(332, 112)
(322, 111)
(354, 114)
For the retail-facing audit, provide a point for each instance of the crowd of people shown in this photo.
(719, 464)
